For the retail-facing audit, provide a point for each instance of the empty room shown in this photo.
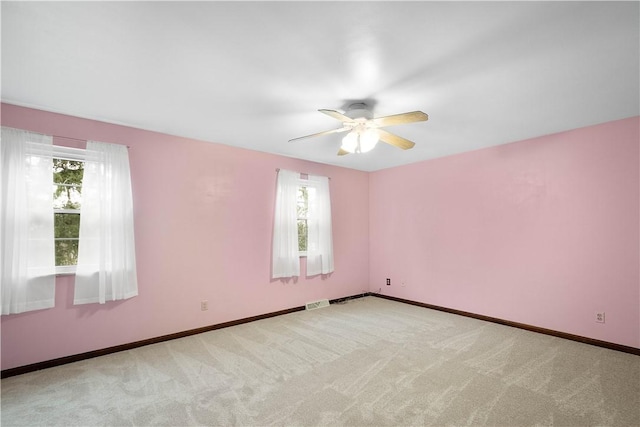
(304, 213)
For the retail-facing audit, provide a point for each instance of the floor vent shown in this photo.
(317, 304)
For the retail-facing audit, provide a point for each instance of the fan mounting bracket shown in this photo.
(359, 111)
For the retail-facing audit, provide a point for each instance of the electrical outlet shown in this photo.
(388, 282)
(600, 317)
(204, 305)
(403, 284)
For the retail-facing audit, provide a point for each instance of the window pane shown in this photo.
(67, 194)
(66, 252)
(67, 188)
(66, 197)
(302, 234)
(67, 171)
(302, 202)
(67, 225)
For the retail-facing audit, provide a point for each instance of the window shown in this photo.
(67, 201)
(45, 187)
(302, 225)
(302, 209)
(305, 195)
(68, 173)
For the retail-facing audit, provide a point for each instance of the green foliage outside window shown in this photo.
(67, 179)
(67, 196)
(303, 210)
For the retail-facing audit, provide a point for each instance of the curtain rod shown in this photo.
(74, 139)
(302, 173)
(68, 137)
(56, 136)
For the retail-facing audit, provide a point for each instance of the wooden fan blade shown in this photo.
(395, 140)
(326, 132)
(398, 119)
(337, 115)
(342, 152)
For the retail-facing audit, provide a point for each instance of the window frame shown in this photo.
(71, 154)
(302, 183)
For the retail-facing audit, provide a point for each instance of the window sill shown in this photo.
(65, 270)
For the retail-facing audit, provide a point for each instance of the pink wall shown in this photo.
(203, 223)
(543, 232)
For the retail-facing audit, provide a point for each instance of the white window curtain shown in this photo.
(320, 240)
(106, 268)
(285, 261)
(26, 229)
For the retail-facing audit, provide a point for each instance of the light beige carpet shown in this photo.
(367, 362)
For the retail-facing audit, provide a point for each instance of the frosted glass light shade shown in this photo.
(358, 141)
(368, 140)
(350, 142)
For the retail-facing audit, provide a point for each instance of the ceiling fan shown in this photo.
(365, 131)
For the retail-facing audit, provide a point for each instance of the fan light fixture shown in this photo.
(363, 130)
(360, 140)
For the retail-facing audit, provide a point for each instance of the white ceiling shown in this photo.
(254, 74)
